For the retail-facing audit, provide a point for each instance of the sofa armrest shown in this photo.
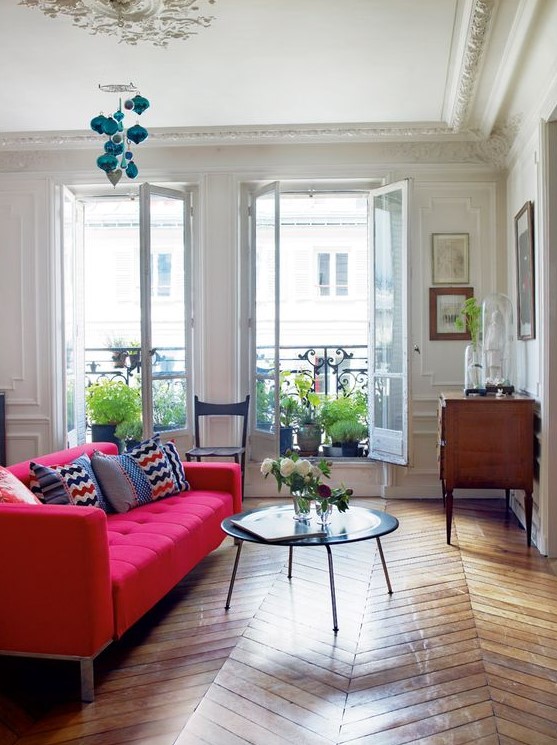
(55, 581)
(218, 476)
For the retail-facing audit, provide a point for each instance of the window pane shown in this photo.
(342, 274)
(164, 268)
(324, 269)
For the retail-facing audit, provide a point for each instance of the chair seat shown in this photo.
(218, 452)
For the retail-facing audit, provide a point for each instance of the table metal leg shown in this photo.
(390, 589)
(233, 578)
(332, 583)
(290, 553)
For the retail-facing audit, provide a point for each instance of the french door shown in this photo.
(126, 275)
(338, 273)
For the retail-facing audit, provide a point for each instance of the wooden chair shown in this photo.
(238, 452)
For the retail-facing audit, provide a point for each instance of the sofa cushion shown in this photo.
(122, 480)
(70, 484)
(85, 462)
(152, 459)
(154, 547)
(13, 491)
(171, 452)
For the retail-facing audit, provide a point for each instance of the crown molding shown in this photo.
(478, 31)
(426, 144)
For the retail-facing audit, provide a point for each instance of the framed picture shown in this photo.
(524, 240)
(449, 258)
(445, 304)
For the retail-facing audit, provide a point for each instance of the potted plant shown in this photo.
(108, 404)
(129, 432)
(289, 412)
(345, 422)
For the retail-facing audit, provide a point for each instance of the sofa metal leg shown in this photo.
(87, 679)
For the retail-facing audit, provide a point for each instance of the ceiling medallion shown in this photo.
(155, 21)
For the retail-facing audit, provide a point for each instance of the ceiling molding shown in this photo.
(478, 32)
(132, 21)
(43, 151)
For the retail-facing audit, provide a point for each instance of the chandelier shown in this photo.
(156, 21)
(118, 158)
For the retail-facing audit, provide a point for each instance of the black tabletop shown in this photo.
(356, 524)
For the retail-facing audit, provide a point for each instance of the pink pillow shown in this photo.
(13, 490)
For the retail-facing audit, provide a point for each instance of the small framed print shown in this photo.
(445, 305)
(524, 239)
(450, 258)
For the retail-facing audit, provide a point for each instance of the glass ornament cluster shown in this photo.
(118, 156)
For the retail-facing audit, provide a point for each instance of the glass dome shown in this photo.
(498, 343)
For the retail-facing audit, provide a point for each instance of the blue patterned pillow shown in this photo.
(85, 462)
(68, 484)
(152, 459)
(176, 465)
(122, 481)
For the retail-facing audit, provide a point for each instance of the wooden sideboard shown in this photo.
(486, 442)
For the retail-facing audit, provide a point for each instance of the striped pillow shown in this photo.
(68, 484)
(176, 465)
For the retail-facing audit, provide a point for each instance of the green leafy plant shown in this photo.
(129, 431)
(345, 415)
(470, 319)
(169, 404)
(112, 402)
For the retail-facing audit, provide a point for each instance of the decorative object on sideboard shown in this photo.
(498, 344)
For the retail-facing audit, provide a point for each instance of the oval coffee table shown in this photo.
(280, 529)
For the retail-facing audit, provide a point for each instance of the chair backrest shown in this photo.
(240, 409)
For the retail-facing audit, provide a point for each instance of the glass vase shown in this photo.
(323, 511)
(302, 505)
(473, 369)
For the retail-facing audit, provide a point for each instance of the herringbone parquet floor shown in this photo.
(464, 651)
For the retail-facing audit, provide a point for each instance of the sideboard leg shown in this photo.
(507, 498)
(449, 513)
(528, 502)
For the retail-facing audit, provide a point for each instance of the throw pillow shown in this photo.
(176, 465)
(67, 484)
(122, 481)
(85, 462)
(150, 456)
(12, 490)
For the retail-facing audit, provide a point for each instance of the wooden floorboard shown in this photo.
(464, 650)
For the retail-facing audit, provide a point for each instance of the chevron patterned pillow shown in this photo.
(151, 458)
(171, 452)
(69, 484)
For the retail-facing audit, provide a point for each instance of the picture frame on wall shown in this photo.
(445, 305)
(450, 258)
(524, 241)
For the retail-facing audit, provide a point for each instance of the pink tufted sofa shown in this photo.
(78, 577)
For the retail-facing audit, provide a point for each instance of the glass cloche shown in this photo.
(498, 344)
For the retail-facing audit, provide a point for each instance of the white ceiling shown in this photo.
(394, 64)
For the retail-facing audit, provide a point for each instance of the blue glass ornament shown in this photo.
(107, 162)
(114, 148)
(140, 104)
(137, 134)
(97, 124)
(131, 170)
(129, 154)
(118, 115)
(128, 104)
(110, 126)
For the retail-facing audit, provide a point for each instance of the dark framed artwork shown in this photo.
(524, 240)
(445, 304)
(449, 258)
